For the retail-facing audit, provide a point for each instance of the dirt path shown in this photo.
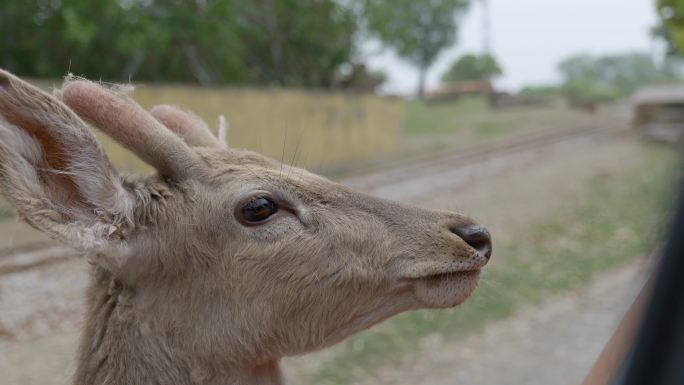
(555, 342)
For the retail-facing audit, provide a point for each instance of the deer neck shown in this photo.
(117, 349)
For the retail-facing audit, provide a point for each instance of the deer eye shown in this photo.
(257, 210)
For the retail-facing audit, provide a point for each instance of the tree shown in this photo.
(297, 42)
(417, 30)
(671, 29)
(288, 42)
(361, 79)
(615, 76)
(175, 40)
(182, 40)
(472, 67)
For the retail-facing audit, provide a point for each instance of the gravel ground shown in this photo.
(555, 342)
(40, 309)
(14, 233)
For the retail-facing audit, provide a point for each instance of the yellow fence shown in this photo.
(317, 130)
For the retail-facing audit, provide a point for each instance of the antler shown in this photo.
(186, 125)
(132, 126)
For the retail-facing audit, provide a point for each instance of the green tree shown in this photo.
(671, 29)
(176, 40)
(541, 92)
(289, 42)
(297, 42)
(417, 30)
(615, 76)
(472, 67)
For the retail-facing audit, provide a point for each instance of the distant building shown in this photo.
(659, 112)
(497, 99)
(457, 90)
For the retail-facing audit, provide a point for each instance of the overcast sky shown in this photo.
(530, 37)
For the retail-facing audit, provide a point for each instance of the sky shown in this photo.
(530, 38)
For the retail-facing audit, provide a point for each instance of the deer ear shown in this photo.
(55, 173)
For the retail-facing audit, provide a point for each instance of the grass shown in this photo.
(318, 130)
(616, 222)
(458, 125)
(469, 121)
(315, 129)
(442, 117)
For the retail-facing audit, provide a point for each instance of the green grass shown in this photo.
(468, 116)
(459, 124)
(491, 129)
(614, 223)
(442, 117)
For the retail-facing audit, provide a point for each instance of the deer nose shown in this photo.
(477, 237)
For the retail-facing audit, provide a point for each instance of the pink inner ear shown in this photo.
(54, 172)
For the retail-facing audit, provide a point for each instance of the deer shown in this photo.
(223, 261)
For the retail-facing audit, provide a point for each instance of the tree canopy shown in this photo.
(288, 42)
(300, 42)
(473, 67)
(417, 30)
(671, 14)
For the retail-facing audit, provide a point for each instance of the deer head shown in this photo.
(225, 261)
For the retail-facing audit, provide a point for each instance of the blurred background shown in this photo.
(558, 124)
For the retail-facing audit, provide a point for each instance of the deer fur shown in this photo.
(182, 292)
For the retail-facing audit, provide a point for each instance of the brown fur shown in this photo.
(182, 292)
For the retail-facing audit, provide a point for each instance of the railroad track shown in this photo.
(411, 180)
(30, 256)
(404, 180)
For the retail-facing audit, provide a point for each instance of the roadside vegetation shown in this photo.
(619, 220)
(473, 116)
(463, 123)
(596, 79)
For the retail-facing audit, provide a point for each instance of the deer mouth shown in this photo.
(448, 289)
